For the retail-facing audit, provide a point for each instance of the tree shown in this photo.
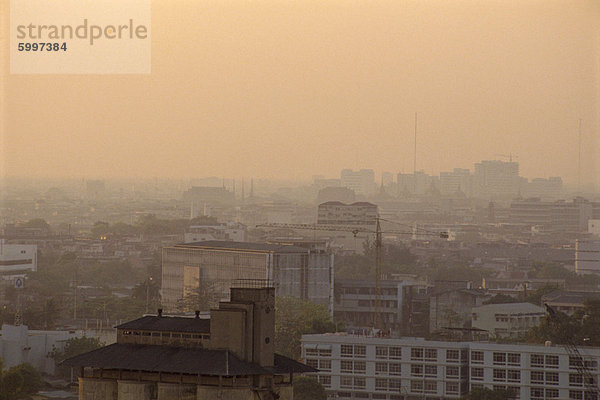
(488, 394)
(295, 317)
(308, 388)
(19, 382)
(201, 298)
(501, 299)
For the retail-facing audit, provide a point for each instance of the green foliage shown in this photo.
(488, 394)
(19, 382)
(580, 329)
(202, 298)
(536, 297)
(555, 271)
(295, 317)
(308, 388)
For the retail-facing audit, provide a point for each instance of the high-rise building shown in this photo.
(362, 182)
(496, 179)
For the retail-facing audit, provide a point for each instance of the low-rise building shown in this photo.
(359, 367)
(506, 320)
(229, 356)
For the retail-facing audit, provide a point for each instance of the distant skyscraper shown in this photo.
(496, 178)
(362, 182)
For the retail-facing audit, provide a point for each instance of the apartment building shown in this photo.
(355, 214)
(507, 320)
(359, 367)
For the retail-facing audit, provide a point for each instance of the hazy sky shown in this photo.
(288, 89)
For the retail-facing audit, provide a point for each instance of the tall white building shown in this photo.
(359, 367)
(496, 178)
(17, 258)
(362, 182)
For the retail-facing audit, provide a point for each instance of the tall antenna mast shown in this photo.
(415, 159)
(579, 160)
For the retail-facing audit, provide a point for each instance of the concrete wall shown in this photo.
(175, 391)
(134, 390)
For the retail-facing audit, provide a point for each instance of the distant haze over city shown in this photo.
(283, 90)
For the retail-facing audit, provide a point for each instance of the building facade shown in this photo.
(508, 320)
(358, 367)
(362, 182)
(212, 266)
(587, 257)
(356, 214)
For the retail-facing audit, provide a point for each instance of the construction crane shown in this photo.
(378, 247)
(590, 383)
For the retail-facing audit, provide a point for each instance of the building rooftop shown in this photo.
(511, 308)
(170, 324)
(153, 358)
(248, 246)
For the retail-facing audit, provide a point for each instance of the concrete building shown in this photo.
(229, 356)
(362, 182)
(451, 308)
(356, 214)
(229, 232)
(506, 320)
(17, 258)
(550, 188)
(496, 179)
(212, 266)
(569, 301)
(459, 180)
(594, 227)
(404, 306)
(19, 344)
(587, 257)
(358, 367)
(418, 183)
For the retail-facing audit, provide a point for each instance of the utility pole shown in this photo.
(415, 159)
(378, 247)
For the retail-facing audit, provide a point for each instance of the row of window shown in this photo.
(537, 377)
(392, 352)
(166, 335)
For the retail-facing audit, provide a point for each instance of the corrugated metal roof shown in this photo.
(173, 324)
(153, 358)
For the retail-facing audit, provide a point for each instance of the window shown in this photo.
(552, 393)
(537, 377)
(431, 354)
(416, 354)
(325, 380)
(477, 374)
(499, 375)
(452, 372)
(452, 355)
(537, 394)
(312, 363)
(395, 369)
(416, 370)
(396, 353)
(551, 361)
(325, 365)
(537, 360)
(477, 357)
(381, 352)
(346, 367)
(451, 388)
(346, 350)
(575, 395)
(324, 352)
(378, 396)
(514, 375)
(346, 381)
(381, 368)
(416, 386)
(551, 378)
(430, 387)
(381, 384)
(359, 383)
(575, 379)
(360, 395)
(395, 385)
(575, 362)
(344, 395)
(431, 370)
(592, 364)
(360, 367)
(515, 391)
(312, 352)
(514, 358)
(360, 351)
(499, 358)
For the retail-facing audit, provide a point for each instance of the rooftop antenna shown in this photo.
(579, 160)
(415, 159)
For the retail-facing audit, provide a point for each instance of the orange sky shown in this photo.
(288, 89)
